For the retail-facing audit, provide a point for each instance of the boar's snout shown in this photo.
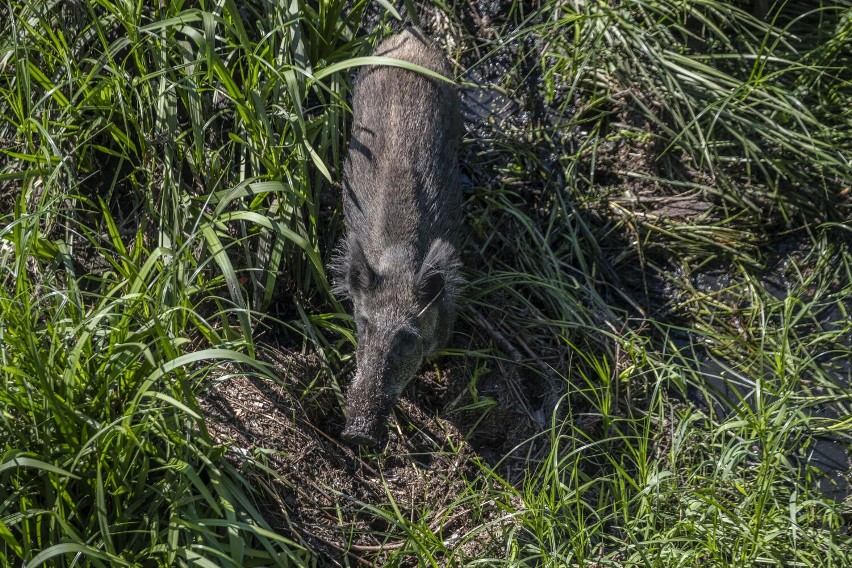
(368, 408)
(361, 430)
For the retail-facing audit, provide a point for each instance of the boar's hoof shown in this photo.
(360, 431)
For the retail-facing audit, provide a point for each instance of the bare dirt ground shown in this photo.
(424, 465)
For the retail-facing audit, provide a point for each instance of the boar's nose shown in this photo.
(359, 430)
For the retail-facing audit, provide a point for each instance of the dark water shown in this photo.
(722, 387)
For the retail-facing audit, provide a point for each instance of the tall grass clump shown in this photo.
(105, 455)
(634, 244)
(750, 110)
(718, 456)
(162, 166)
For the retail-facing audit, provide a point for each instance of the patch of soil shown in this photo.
(423, 467)
(9, 192)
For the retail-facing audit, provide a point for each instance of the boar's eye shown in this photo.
(407, 341)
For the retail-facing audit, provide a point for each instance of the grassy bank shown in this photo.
(652, 363)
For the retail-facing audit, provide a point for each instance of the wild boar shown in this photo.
(399, 261)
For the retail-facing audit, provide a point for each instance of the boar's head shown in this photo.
(402, 313)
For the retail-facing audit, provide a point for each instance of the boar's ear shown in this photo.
(432, 285)
(361, 276)
(439, 273)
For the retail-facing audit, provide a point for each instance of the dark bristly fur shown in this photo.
(399, 259)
